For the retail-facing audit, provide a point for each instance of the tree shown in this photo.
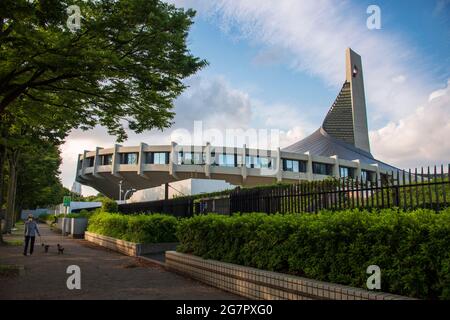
(125, 65)
(38, 184)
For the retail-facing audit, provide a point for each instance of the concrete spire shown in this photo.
(354, 75)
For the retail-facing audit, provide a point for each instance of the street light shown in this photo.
(126, 193)
(120, 190)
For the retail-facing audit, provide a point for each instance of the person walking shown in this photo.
(30, 234)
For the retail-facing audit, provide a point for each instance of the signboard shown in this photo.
(66, 201)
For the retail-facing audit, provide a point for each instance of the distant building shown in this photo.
(180, 188)
(339, 148)
(76, 188)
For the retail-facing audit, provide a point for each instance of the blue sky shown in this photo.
(279, 64)
(424, 25)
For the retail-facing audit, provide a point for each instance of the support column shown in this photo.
(173, 160)
(141, 160)
(358, 172)
(96, 162)
(244, 163)
(336, 172)
(208, 160)
(279, 166)
(78, 166)
(377, 172)
(84, 163)
(309, 169)
(115, 161)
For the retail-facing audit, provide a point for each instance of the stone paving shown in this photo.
(104, 274)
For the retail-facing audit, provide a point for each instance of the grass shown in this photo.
(13, 242)
(10, 270)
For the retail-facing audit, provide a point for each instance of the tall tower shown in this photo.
(354, 75)
(347, 119)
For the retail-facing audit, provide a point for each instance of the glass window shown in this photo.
(253, 162)
(160, 158)
(294, 165)
(129, 158)
(266, 162)
(367, 175)
(226, 160)
(106, 159)
(90, 161)
(199, 158)
(239, 161)
(157, 157)
(190, 158)
(287, 165)
(345, 172)
(322, 168)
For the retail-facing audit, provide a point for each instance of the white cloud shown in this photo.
(421, 138)
(399, 79)
(312, 35)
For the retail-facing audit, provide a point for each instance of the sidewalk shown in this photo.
(104, 274)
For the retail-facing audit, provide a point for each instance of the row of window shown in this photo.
(131, 158)
(224, 160)
(230, 160)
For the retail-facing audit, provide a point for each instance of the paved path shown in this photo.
(104, 274)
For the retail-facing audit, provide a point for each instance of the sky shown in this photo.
(279, 64)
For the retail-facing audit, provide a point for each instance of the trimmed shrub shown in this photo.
(82, 214)
(135, 228)
(411, 248)
(109, 205)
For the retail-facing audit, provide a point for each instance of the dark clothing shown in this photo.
(27, 239)
(31, 228)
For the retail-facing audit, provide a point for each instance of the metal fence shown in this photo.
(406, 189)
(411, 189)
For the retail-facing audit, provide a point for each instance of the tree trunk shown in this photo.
(2, 178)
(12, 183)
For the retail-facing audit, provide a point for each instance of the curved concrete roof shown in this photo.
(320, 143)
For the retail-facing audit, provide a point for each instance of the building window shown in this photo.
(199, 158)
(106, 159)
(345, 172)
(157, 157)
(90, 162)
(367, 175)
(191, 158)
(129, 158)
(253, 162)
(266, 162)
(322, 168)
(227, 160)
(294, 165)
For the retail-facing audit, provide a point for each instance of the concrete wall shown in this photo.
(265, 285)
(126, 247)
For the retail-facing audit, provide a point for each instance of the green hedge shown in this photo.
(411, 248)
(49, 217)
(109, 205)
(135, 228)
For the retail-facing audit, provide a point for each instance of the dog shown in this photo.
(60, 249)
(46, 247)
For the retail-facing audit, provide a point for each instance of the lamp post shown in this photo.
(126, 193)
(120, 190)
